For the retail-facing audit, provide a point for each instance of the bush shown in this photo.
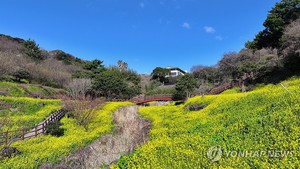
(195, 107)
(8, 152)
(54, 129)
(21, 74)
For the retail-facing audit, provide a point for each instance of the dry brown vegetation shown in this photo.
(291, 38)
(49, 71)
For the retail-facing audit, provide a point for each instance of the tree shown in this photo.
(93, 65)
(110, 84)
(122, 66)
(291, 38)
(21, 74)
(33, 50)
(228, 65)
(205, 73)
(83, 110)
(160, 74)
(186, 85)
(280, 16)
(7, 64)
(79, 88)
(291, 46)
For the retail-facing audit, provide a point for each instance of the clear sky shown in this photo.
(143, 33)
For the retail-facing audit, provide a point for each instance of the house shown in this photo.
(175, 71)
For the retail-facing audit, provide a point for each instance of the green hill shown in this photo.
(29, 90)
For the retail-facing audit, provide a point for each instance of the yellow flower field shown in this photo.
(47, 149)
(265, 119)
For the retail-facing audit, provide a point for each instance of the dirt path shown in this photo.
(130, 132)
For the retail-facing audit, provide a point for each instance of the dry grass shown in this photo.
(130, 132)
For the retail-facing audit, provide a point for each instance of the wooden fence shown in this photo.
(11, 136)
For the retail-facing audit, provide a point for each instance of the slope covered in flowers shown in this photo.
(49, 149)
(24, 112)
(265, 119)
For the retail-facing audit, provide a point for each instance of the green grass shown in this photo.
(267, 118)
(38, 90)
(23, 90)
(12, 89)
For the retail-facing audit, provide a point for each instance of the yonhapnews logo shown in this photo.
(215, 153)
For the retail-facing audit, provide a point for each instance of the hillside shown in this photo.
(29, 90)
(265, 120)
(23, 61)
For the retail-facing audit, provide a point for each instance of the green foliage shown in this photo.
(110, 84)
(161, 91)
(38, 90)
(185, 86)
(160, 74)
(21, 74)
(281, 15)
(54, 129)
(114, 84)
(264, 119)
(22, 90)
(93, 65)
(65, 57)
(247, 67)
(11, 89)
(33, 50)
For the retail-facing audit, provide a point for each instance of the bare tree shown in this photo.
(78, 88)
(11, 63)
(291, 38)
(83, 109)
(52, 71)
(122, 66)
(6, 64)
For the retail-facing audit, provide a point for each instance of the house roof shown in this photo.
(176, 68)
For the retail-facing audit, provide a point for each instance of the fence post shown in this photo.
(6, 137)
(23, 133)
(35, 130)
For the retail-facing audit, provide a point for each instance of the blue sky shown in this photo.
(143, 33)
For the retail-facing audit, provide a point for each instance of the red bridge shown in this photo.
(145, 99)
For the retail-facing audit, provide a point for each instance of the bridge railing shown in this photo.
(159, 97)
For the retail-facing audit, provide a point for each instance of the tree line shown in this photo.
(24, 61)
(270, 57)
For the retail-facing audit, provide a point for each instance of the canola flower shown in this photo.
(266, 118)
(49, 149)
(26, 112)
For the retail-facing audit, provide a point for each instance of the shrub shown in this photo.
(54, 129)
(8, 152)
